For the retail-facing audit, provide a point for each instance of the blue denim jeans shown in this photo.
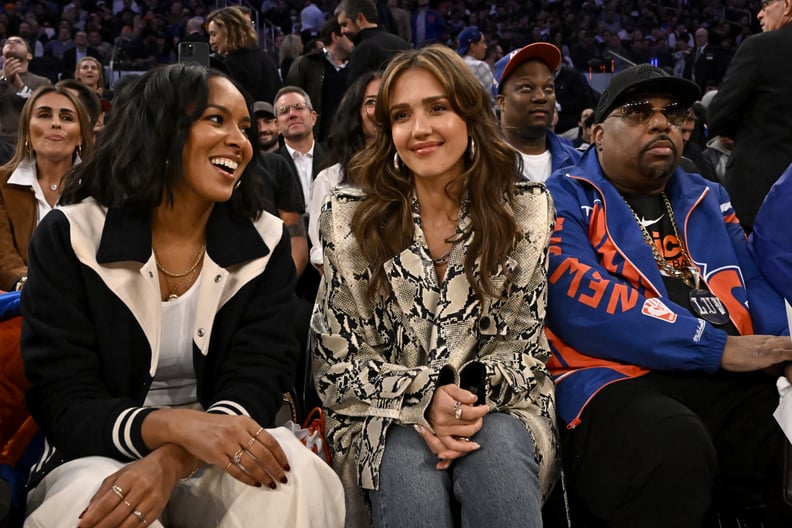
(497, 485)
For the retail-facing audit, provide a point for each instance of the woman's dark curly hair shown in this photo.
(346, 136)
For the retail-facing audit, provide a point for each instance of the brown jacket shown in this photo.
(17, 221)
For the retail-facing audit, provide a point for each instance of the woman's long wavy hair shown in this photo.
(138, 156)
(383, 222)
(347, 137)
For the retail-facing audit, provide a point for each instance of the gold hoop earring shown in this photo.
(396, 161)
(27, 148)
(472, 149)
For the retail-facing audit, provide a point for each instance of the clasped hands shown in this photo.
(455, 418)
(137, 494)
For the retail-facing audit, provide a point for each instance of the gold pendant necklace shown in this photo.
(178, 276)
(688, 274)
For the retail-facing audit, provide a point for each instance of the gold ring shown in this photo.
(250, 442)
(126, 503)
(457, 410)
(228, 466)
(259, 431)
(237, 458)
(139, 516)
(118, 491)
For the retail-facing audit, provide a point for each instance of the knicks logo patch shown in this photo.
(655, 308)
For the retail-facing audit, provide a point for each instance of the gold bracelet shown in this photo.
(192, 472)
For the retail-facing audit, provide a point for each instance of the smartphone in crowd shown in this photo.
(194, 52)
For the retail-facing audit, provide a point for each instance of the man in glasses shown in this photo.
(16, 85)
(665, 410)
(753, 106)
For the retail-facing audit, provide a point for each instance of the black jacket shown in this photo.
(91, 326)
(255, 71)
(753, 106)
(374, 48)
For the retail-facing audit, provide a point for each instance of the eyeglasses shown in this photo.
(639, 112)
(299, 107)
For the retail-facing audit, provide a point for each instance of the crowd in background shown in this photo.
(593, 35)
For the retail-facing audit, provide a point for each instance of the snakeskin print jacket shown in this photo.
(376, 363)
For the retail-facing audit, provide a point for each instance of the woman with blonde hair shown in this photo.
(291, 48)
(431, 352)
(91, 72)
(233, 37)
(54, 134)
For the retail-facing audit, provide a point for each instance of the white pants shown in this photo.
(313, 496)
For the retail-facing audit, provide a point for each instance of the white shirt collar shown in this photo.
(25, 173)
(293, 152)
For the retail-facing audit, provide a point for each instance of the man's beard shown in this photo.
(267, 145)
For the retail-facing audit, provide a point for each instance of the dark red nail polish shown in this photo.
(286, 468)
(284, 480)
(272, 485)
(258, 484)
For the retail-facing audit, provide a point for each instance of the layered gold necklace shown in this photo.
(179, 278)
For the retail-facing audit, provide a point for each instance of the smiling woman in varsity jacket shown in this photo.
(156, 329)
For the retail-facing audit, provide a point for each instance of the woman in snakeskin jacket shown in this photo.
(430, 356)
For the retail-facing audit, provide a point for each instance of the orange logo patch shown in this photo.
(655, 308)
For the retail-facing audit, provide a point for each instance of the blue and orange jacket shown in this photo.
(609, 316)
(771, 242)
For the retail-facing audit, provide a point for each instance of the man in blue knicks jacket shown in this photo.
(660, 324)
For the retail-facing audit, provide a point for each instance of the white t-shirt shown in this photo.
(174, 380)
(537, 167)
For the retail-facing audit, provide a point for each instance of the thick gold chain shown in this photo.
(686, 274)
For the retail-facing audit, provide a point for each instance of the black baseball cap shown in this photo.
(644, 78)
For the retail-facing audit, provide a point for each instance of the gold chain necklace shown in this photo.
(689, 274)
(178, 276)
(189, 270)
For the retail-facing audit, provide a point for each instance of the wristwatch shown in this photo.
(20, 283)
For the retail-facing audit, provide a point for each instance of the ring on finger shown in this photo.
(126, 503)
(250, 442)
(258, 431)
(118, 491)
(237, 458)
(228, 466)
(457, 410)
(139, 516)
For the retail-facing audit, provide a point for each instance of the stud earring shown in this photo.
(396, 161)
(27, 147)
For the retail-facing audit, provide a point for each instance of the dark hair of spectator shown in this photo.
(330, 26)
(157, 109)
(87, 96)
(347, 137)
(353, 8)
